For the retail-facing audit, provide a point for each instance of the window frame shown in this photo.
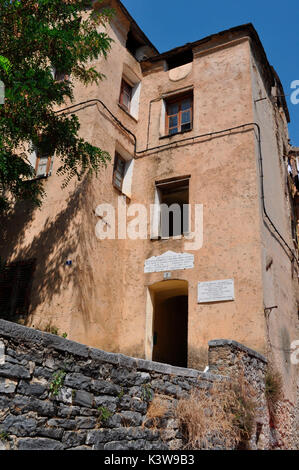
(162, 187)
(178, 100)
(48, 167)
(35, 157)
(124, 84)
(60, 76)
(118, 157)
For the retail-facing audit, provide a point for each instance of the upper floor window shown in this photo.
(171, 209)
(125, 95)
(123, 171)
(177, 60)
(41, 162)
(60, 76)
(119, 171)
(179, 114)
(43, 165)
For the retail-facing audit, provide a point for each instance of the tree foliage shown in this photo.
(37, 36)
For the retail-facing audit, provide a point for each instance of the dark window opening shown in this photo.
(174, 200)
(118, 172)
(179, 114)
(133, 43)
(294, 206)
(180, 59)
(125, 95)
(15, 288)
(60, 76)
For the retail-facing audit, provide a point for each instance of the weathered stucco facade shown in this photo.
(104, 298)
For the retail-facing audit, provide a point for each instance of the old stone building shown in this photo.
(203, 125)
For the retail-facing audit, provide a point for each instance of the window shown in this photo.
(15, 287)
(119, 172)
(179, 114)
(172, 208)
(125, 95)
(60, 76)
(130, 91)
(123, 171)
(41, 162)
(133, 43)
(43, 165)
(179, 59)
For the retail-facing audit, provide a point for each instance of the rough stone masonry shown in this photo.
(56, 394)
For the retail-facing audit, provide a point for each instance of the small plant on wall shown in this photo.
(57, 382)
(147, 393)
(4, 436)
(104, 415)
(273, 390)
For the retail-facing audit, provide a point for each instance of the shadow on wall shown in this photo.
(56, 242)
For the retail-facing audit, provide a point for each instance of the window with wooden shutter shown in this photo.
(41, 162)
(179, 114)
(119, 171)
(43, 165)
(15, 287)
(125, 95)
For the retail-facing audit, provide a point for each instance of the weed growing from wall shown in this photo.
(157, 410)
(57, 382)
(4, 436)
(104, 415)
(221, 417)
(273, 391)
(147, 393)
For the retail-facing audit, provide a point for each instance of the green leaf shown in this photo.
(36, 36)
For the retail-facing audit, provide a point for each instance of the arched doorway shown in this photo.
(170, 322)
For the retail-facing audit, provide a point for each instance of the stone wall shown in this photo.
(58, 394)
(233, 359)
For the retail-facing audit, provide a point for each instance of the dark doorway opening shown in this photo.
(170, 324)
(15, 288)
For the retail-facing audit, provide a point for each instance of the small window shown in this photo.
(119, 172)
(133, 43)
(179, 115)
(179, 59)
(43, 165)
(125, 95)
(60, 76)
(41, 162)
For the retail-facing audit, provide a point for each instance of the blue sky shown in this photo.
(172, 23)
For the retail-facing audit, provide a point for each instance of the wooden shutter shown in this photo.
(125, 95)
(119, 171)
(32, 159)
